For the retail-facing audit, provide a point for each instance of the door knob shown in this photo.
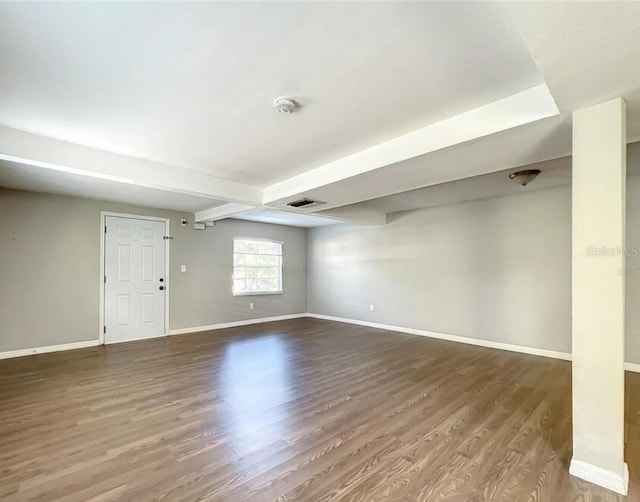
(161, 288)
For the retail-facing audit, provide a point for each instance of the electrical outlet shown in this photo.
(250, 305)
(183, 268)
(372, 307)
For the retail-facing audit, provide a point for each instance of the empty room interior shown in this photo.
(320, 251)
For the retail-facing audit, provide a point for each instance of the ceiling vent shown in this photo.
(304, 203)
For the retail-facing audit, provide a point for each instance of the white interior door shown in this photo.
(135, 285)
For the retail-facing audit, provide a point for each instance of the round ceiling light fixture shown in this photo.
(524, 177)
(284, 105)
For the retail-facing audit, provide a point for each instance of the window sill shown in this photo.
(259, 293)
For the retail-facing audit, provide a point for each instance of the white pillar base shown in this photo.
(601, 477)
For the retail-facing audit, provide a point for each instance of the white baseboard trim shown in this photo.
(601, 477)
(116, 342)
(234, 324)
(431, 334)
(453, 338)
(51, 348)
(632, 367)
(565, 356)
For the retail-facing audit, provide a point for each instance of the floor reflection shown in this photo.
(255, 379)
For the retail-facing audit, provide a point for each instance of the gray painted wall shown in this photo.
(496, 269)
(50, 267)
(632, 312)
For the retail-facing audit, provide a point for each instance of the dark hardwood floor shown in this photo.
(301, 410)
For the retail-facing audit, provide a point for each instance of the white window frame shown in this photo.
(281, 276)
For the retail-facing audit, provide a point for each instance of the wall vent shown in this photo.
(304, 203)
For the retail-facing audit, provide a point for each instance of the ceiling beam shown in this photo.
(361, 176)
(522, 108)
(48, 153)
(222, 212)
(528, 144)
(360, 215)
(352, 215)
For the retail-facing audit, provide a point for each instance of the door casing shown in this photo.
(103, 222)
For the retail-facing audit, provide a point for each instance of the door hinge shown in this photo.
(166, 237)
(105, 279)
(104, 329)
(105, 229)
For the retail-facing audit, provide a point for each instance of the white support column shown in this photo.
(599, 198)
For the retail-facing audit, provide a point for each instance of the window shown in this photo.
(257, 266)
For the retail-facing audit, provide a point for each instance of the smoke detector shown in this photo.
(284, 105)
(524, 177)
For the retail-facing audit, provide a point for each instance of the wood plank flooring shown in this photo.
(300, 410)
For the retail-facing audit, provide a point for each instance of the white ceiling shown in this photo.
(519, 146)
(556, 172)
(585, 50)
(191, 83)
(176, 99)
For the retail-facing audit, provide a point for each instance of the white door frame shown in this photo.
(103, 223)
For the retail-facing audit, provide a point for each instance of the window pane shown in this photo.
(239, 246)
(257, 266)
(269, 260)
(257, 247)
(262, 247)
(264, 260)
